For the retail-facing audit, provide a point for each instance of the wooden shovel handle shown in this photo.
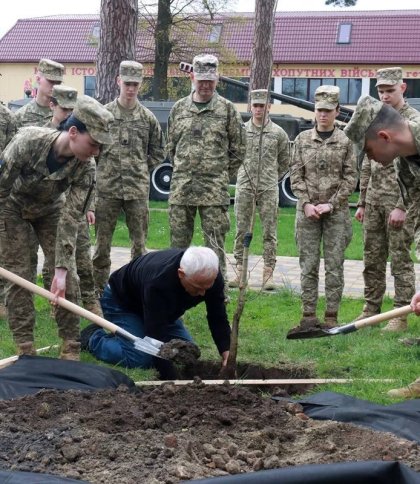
(74, 308)
(380, 318)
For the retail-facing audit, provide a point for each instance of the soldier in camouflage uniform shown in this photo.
(123, 171)
(62, 104)
(206, 147)
(44, 183)
(384, 134)
(7, 131)
(386, 228)
(259, 184)
(38, 112)
(323, 176)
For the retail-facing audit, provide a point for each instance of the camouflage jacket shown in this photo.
(137, 148)
(206, 148)
(378, 184)
(32, 114)
(25, 181)
(7, 126)
(274, 157)
(323, 171)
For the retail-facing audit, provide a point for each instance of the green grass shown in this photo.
(266, 319)
(158, 237)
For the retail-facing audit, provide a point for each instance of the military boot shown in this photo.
(330, 319)
(366, 313)
(237, 279)
(3, 311)
(94, 307)
(396, 324)
(308, 321)
(70, 350)
(26, 349)
(268, 281)
(410, 391)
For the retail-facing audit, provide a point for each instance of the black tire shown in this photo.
(286, 196)
(160, 182)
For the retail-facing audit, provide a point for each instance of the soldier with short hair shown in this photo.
(38, 112)
(383, 134)
(258, 184)
(206, 147)
(44, 185)
(123, 171)
(323, 176)
(387, 227)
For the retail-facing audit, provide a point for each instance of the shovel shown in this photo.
(317, 332)
(148, 345)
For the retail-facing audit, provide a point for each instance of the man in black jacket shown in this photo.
(149, 295)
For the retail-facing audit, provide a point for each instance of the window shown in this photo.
(350, 89)
(90, 83)
(94, 35)
(343, 34)
(215, 33)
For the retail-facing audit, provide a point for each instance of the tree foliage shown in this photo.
(117, 42)
(341, 3)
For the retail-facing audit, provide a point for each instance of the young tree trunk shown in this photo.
(163, 49)
(117, 42)
(262, 46)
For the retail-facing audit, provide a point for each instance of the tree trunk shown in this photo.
(117, 42)
(163, 48)
(262, 45)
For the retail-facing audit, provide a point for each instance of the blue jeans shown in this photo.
(117, 350)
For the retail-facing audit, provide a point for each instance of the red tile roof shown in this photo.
(388, 37)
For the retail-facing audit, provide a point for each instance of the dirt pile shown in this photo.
(170, 433)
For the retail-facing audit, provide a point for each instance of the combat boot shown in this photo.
(26, 349)
(366, 313)
(237, 279)
(330, 319)
(94, 307)
(308, 321)
(3, 311)
(410, 391)
(268, 281)
(70, 350)
(396, 324)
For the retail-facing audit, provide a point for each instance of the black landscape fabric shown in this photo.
(402, 419)
(30, 374)
(367, 472)
(9, 477)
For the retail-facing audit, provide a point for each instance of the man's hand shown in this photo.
(225, 356)
(396, 218)
(415, 303)
(360, 214)
(311, 212)
(90, 217)
(58, 286)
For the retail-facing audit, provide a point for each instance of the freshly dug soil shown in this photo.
(180, 352)
(170, 433)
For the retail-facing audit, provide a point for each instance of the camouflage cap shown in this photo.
(327, 97)
(260, 96)
(51, 70)
(65, 96)
(131, 71)
(96, 118)
(389, 76)
(205, 67)
(365, 113)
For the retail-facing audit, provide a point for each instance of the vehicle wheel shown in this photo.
(286, 196)
(160, 182)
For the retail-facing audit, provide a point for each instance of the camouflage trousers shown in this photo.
(14, 235)
(267, 206)
(214, 223)
(334, 232)
(107, 212)
(84, 266)
(380, 242)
